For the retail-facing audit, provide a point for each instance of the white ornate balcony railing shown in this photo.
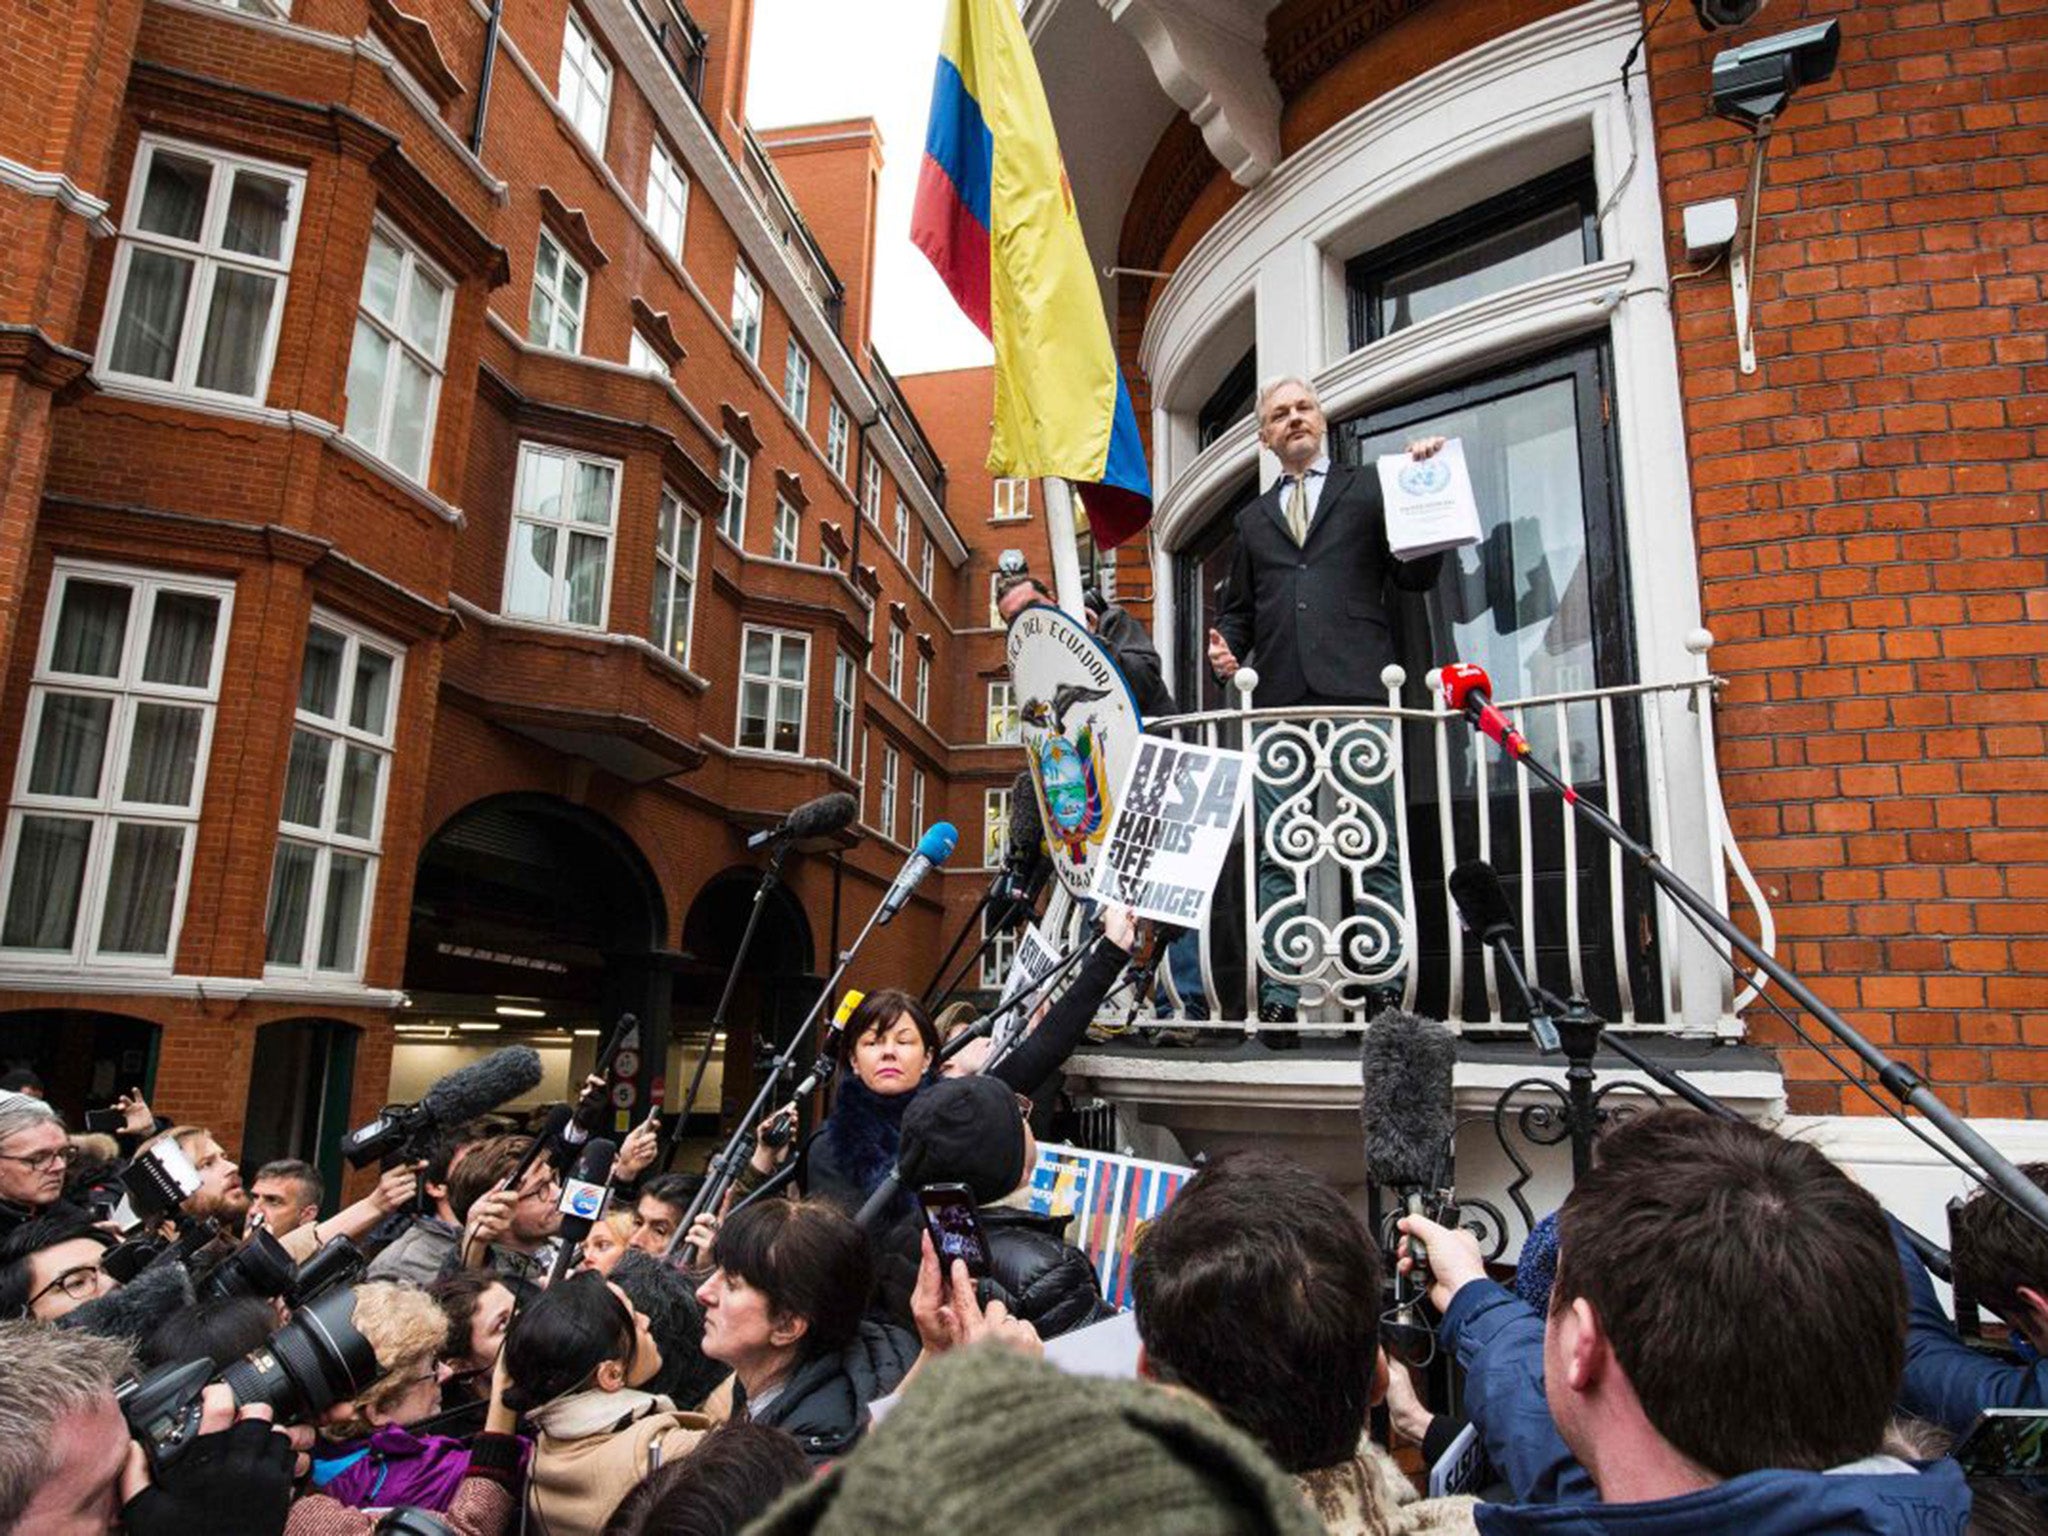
(1344, 910)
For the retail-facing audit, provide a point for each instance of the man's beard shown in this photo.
(215, 1205)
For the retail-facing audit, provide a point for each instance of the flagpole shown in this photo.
(1066, 550)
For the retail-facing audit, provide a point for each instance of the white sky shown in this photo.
(813, 63)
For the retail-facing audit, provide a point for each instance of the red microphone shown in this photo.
(1469, 690)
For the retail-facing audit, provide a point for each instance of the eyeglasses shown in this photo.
(43, 1161)
(80, 1283)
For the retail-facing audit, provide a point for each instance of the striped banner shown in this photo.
(1108, 1199)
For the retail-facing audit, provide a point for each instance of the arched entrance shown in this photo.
(534, 922)
(299, 1083)
(776, 987)
(85, 1058)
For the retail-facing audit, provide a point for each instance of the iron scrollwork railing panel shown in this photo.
(1537, 1112)
(1324, 791)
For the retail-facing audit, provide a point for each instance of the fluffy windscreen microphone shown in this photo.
(482, 1086)
(827, 813)
(1406, 1064)
(133, 1312)
(1027, 826)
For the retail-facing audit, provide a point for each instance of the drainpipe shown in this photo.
(483, 85)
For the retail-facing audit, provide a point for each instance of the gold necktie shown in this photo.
(1297, 510)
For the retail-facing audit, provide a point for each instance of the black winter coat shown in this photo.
(1317, 620)
(1033, 1270)
(825, 1404)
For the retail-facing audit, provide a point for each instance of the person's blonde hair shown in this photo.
(406, 1328)
(955, 1017)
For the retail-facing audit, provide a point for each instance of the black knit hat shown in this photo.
(964, 1130)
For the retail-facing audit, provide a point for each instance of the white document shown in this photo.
(1107, 1348)
(1429, 502)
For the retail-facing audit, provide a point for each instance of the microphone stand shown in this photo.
(1899, 1080)
(725, 1165)
(985, 1026)
(934, 999)
(770, 878)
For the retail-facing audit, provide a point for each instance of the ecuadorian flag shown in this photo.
(996, 216)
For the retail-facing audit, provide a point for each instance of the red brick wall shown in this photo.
(1869, 507)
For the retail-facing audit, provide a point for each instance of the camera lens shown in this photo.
(314, 1361)
(260, 1267)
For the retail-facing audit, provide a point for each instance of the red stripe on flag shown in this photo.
(946, 230)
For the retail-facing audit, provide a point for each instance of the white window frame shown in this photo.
(105, 811)
(922, 706)
(775, 684)
(1012, 500)
(895, 678)
(892, 762)
(564, 527)
(668, 199)
(871, 489)
(796, 382)
(1000, 956)
(1002, 705)
(838, 431)
(552, 293)
(208, 260)
(675, 570)
(585, 75)
(788, 533)
(916, 804)
(845, 680)
(327, 842)
(411, 265)
(732, 515)
(902, 540)
(995, 827)
(924, 566)
(746, 310)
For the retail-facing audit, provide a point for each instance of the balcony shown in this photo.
(1348, 790)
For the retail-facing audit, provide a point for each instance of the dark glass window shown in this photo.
(1545, 226)
(1232, 400)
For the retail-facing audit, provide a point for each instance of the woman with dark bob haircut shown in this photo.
(785, 1307)
(890, 1050)
(576, 1358)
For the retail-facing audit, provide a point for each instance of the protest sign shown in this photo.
(1170, 835)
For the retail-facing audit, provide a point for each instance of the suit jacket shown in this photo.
(1317, 620)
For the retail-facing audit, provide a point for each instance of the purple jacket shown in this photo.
(392, 1467)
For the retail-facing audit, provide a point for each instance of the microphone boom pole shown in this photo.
(770, 878)
(1901, 1081)
(725, 1165)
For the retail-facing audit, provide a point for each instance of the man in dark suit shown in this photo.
(1311, 603)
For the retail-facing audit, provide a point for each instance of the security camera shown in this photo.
(1715, 14)
(1754, 81)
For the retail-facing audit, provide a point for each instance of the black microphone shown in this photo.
(587, 1191)
(546, 1144)
(592, 1103)
(1482, 903)
(933, 849)
(462, 1095)
(1406, 1067)
(814, 818)
(1027, 826)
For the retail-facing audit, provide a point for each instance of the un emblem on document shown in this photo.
(1427, 477)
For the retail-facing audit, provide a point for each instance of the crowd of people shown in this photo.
(1728, 1334)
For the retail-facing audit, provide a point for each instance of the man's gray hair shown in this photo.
(19, 1112)
(1267, 390)
(50, 1373)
